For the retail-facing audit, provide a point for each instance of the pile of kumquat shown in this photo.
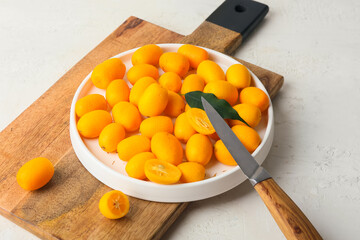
(148, 123)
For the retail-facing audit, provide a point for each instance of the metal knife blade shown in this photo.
(243, 158)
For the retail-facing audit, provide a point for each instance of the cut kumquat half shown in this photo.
(114, 204)
(160, 171)
(200, 121)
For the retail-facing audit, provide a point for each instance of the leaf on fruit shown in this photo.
(221, 106)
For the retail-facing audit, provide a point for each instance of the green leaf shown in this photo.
(221, 106)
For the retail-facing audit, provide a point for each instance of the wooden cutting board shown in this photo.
(67, 207)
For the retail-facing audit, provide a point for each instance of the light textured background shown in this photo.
(314, 44)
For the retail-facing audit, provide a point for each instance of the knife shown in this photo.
(290, 219)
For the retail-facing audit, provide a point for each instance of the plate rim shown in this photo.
(76, 138)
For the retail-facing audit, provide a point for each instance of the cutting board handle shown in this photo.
(228, 25)
(291, 220)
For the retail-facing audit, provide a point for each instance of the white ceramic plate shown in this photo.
(109, 169)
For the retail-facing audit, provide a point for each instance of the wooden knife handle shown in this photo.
(291, 220)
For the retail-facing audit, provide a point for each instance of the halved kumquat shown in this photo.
(114, 204)
(199, 121)
(160, 171)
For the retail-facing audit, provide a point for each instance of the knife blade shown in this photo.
(243, 158)
(290, 219)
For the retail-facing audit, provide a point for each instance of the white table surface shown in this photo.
(314, 44)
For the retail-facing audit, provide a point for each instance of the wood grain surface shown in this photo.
(291, 220)
(214, 37)
(67, 207)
